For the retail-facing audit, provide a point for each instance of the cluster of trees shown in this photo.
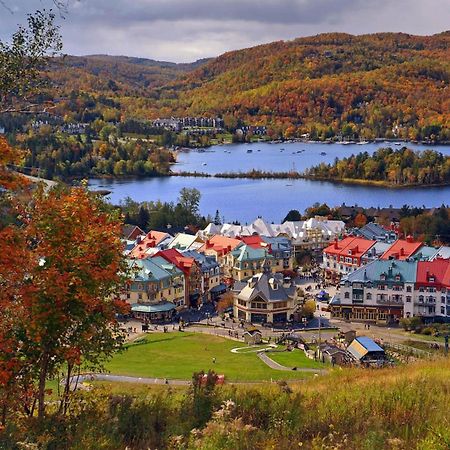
(157, 215)
(59, 155)
(433, 228)
(397, 167)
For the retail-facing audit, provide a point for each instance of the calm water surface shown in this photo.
(244, 199)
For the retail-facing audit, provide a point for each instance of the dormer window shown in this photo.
(383, 276)
(431, 279)
(397, 277)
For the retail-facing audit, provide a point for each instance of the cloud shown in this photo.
(183, 30)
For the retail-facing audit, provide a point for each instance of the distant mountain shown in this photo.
(123, 74)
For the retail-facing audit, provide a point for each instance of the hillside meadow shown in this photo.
(399, 408)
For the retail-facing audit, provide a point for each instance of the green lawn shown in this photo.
(296, 358)
(179, 355)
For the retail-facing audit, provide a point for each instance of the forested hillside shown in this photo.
(379, 85)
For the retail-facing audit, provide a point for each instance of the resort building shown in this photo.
(155, 290)
(402, 249)
(183, 241)
(346, 256)
(150, 244)
(192, 274)
(266, 298)
(211, 286)
(246, 261)
(387, 290)
(219, 246)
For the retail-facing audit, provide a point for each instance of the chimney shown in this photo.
(428, 275)
(402, 252)
(409, 239)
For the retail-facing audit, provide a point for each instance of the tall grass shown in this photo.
(394, 408)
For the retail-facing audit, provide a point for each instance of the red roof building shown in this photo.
(432, 283)
(254, 241)
(219, 246)
(402, 249)
(151, 240)
(343, 257)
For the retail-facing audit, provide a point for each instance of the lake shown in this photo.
(244, 199)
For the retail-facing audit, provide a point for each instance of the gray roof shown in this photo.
(268, 287)
(206, 262)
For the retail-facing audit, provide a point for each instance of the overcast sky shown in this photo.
(186, 30)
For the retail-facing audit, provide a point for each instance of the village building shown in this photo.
(387, 290)
(155, 290)
(366, 351)
(184, 241)
(246, 261)
(432, 289)
(219, 246)
(345, 256)
(150, 244)
(212, 286)
(402, 249)
(266, 298)
(192, 274)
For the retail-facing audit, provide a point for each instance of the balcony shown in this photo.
(383, 301)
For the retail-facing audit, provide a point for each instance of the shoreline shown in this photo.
(274, 176)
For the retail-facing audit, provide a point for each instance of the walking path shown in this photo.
(276, 366)
(125, 379)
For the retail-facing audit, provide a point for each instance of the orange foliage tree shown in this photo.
(61, 275)
(360, 220)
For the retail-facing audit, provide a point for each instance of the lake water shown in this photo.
(244, 199)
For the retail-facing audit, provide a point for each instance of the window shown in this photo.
(369, 296)
(408, 288)
(139, 296)
(442, 310)
(442, 299)
(347, 295)
(408, 299)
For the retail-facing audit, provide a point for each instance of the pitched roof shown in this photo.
(373, 271)
(247, 253)
(131, 231)
(402, 249)
(363, 345)
(220, 244)
(350, 246)
(206, 262)
(437, 269)
(172, 255)
(253, 241)
(267, 287)
(183, 241)
(148, 270)
(151, 240)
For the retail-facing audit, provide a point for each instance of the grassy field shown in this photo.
(296, 358)
(179, 355)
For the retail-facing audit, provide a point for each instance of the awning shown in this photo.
(219, 288)
(153, 308)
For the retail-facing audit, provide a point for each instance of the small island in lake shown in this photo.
(387, 167)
